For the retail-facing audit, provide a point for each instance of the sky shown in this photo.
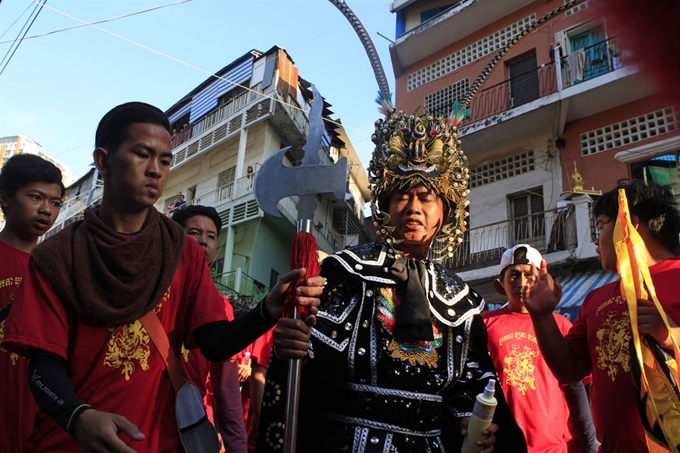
(59, 84)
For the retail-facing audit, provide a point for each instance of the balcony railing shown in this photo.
(73, 209)
(228, 119)
(548, 231)
(221, 194)
(593, 61)
(240, 288)
(512, 93)
(218, 115)
(584, 64)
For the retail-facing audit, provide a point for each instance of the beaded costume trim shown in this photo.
(393, 392)
(383, 426)
(362, 262)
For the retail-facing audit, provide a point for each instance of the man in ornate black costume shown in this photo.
(398, 353)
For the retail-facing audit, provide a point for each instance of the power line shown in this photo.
(112, 19)
(93, 25)
(39, 8)
(209, 73)
(16, 20)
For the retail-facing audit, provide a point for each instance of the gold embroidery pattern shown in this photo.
(407, 352)
(519, 368)
(166, 296)
(614, 336)
(128, 345)
(185, 353)
(14, 358)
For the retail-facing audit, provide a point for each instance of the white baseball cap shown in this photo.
(520, 254)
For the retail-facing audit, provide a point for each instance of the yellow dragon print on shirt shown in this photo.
(614, 336)
(10, 283)
(129, 347)
(13, 357)
(519, 368)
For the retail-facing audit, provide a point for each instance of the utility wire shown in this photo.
(124, 16)
(15, 21)
(39, 9)
(209, 73)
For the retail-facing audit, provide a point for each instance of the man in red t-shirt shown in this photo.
(99, 380)
(536, 398)
(599, 340)
(31, 192)
(218, 383)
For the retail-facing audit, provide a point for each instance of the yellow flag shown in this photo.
(657, 392)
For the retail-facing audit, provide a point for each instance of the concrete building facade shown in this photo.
(562, 117)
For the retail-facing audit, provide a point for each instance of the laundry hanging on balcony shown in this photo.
(577, 64)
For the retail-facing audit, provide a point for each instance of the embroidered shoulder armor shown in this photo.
(451, 300)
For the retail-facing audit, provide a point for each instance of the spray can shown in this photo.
(485, 405)
(245, 360)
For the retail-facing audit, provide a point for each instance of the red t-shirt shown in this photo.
(18, 408)
(116, 370)
(532, 391)
(260, 351)
(197, 367)
(601, 336)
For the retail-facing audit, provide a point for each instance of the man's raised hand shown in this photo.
(541, 294)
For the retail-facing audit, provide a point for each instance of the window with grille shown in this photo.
(580, 7)
(528, 218)
(524, 86)
(629, 131)
(225, 183)
(502, 169)
(468, 54)
(440, 102)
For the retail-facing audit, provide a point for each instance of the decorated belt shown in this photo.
(417, 414)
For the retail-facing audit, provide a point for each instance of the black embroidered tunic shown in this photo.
(362, 389)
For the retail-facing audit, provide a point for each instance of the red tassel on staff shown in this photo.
(302, 254)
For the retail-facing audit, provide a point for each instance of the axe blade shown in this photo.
(264, 187)
(276, 181)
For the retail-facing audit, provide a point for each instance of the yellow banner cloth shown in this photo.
(662, 406)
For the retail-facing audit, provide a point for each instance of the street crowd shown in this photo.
(107, 324)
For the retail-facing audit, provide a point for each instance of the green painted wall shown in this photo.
(260, 246)
(271, 248)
